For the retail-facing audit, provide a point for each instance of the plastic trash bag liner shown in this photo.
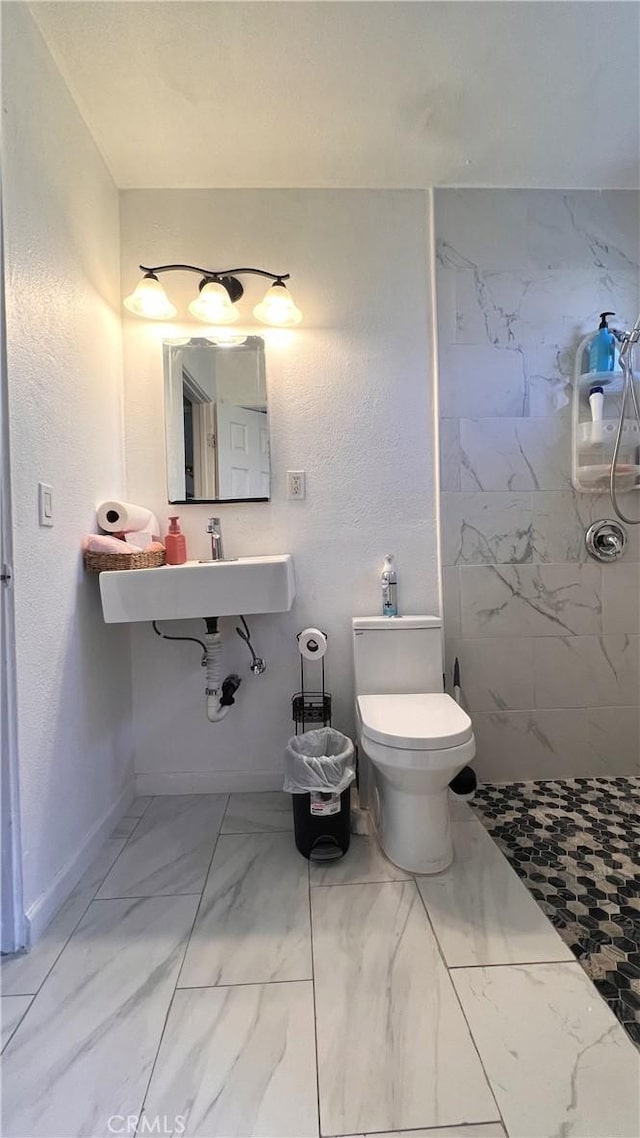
(321, 760)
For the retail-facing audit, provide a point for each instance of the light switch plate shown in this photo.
(45, 503)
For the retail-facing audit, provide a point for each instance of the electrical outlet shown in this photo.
(296, 483)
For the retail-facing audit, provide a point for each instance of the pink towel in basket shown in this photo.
(104, 543)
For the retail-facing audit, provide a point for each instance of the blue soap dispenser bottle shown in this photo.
(602, 348)
(389, 580)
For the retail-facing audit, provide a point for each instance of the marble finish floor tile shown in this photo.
(558, 1061)
(239, 1063)
(394, 1051)
(24, 973)
(258, 813)
(253, 925)
(171, 848)
(12, 1009)
(85, 1050)
(576, 846)
(125, 827)
(363, 862)
(485, 1130)
(481, 912)
(459, 808)
(139, 806)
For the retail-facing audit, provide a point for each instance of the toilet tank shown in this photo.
(397, 655)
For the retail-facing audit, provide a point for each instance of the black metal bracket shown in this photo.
(226, 277)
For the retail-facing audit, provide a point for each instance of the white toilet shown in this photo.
(413, 738)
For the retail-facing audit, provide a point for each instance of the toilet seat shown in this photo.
(428, 721)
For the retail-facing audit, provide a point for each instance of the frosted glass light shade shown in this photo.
(213, 305)
(277, 307)
(150, 300)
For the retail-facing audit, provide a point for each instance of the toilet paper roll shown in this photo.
(124, 517)
(312, 644)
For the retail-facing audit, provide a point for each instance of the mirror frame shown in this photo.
(167, 345)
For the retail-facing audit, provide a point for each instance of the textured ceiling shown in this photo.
(355, 94)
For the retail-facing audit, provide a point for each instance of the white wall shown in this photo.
(349, 402)
(65, 395)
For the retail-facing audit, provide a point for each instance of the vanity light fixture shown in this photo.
(149, 299)
(277, 307)
(214, 304)
(216, 301)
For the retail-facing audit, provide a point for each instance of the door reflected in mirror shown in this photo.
(216, 422)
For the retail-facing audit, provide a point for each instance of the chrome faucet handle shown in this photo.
(606, 540)
(215, 529)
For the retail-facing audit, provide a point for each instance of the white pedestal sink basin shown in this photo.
(217, 588)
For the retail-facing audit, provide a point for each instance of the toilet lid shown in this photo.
(429, 721)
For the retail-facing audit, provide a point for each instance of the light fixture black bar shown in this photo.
(214, 273)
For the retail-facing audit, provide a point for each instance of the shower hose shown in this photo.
(629, 392)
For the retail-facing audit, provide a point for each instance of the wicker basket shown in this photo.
(99, 562)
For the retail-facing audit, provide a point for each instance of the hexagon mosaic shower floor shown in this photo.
(576, 845)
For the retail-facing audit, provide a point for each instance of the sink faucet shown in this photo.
(215, 529)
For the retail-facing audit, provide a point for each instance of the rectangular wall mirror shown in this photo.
(216, 421)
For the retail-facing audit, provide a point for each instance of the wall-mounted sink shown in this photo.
(196, 589)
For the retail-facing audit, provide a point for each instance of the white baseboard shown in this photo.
(39, 915)
(207, 782)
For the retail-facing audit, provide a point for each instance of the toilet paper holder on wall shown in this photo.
(311, 707)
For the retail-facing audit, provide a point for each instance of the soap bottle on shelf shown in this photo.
(602, 349)
(175, 543)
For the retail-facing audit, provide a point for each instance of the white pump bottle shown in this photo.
(389, 580)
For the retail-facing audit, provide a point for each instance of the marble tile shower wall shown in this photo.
(548, 640)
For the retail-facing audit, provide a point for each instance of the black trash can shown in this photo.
(321, 824)
(319, 770)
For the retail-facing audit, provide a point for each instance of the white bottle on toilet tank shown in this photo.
(389, 580)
